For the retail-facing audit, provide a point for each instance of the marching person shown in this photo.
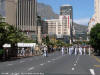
(84, 50)
(62, 50)
(80, 50)
(89, 50)
(76, 50)
(45, 51)
(70, 50)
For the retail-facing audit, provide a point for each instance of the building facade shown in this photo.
(59, 27)
(96, 17)
(22, 14)
(68, 10)
(97, 10)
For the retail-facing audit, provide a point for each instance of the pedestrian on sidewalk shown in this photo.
(45, 51)
(37, 50)
(23, 52)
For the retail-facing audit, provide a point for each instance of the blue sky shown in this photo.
(83, 10)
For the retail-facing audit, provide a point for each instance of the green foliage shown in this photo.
(95, 37)
(46, 40)
(1, 51)
(9, 34)
(27, 40)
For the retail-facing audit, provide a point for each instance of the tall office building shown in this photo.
(22, 14)
(10, 8)
(67, 10)
(97, 10)
(96, 17)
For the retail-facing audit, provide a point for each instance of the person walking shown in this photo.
(84, 49)
(45, 51)
(36, 50)
(89, 50)
(80, 50)
(70, 50)
(62, 50)
(76, 50)
(23, 52)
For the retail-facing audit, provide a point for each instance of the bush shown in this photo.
(95, 38)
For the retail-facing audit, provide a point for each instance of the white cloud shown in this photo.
(83, 21)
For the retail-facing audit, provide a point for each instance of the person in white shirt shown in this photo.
(84, 50)
(45, 51)
(80, 50)
(76, 50)
(69, 50)
(62, 50)
(89, 50)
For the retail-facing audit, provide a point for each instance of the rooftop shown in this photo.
(66, 5)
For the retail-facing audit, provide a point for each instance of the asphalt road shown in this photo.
(54, 64)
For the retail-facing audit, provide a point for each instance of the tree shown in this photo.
(95, 38)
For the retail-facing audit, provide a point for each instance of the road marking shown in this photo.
(49, 61)
(74, 64)
(4, 73)
(97, 59)
(77, 59)
(10, 64)
(73, 68)
(97, 65)
(42, 64)
(22, 61)
(92, 71)
(31, 68)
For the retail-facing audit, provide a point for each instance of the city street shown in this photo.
(55, 63)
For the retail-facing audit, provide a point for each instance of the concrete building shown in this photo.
(3, 19)
(10, 8)
(66, 10)
(59, 27)
(97, 10)
(91, 23)
(22, 14)
(62, 28)
(96, 17)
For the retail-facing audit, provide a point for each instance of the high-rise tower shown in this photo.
(22, 14)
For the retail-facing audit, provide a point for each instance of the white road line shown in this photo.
(77, 60)
(73, 68)
(4, 73)
(92, 71)
(42, 64)
(22, 61)
(49, 61)
(74, 64)
(31, 68)
(10, 64)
